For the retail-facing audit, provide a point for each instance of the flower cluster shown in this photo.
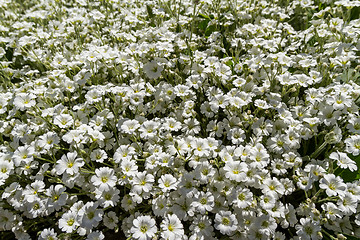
(199, 120)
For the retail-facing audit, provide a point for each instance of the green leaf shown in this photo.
(149, 10)
(355, 12)
(209, 30)
(351, 237)
(204, 16)
(348, 175)
(356, 159)
(203, 24)
(229, 63)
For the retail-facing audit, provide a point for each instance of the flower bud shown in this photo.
(333, 137)
(341, 236)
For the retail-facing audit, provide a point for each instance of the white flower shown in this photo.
(308, 229)
(339, 101)
(354, 125)
(259, 157)
(97, 235)
(127, 202)
(89, 215)
(331, 211)
(242, 198)
(3, 104)
(204, 202)
(160, 205)
(272, 187)
(171, 124)
(93, 96)
(129, 167)
(144, 228)
(98, 155)
(265, 224)
(204, 172)
(108, 198)
(200, 147)
(153, 69)
(142, 182)
(67, 222)
(23, 154)
(35, 208)
(225, 222)
(124, 152)
(48, 234)
(354, 189)
(33, 191)
(268, 201)
(333, 185)
(343, 161)
(357, 219)
(202, 226)
(74, 136)
(353, 145)
(63, 120)
(95, 136)
(104, 178)
(69, 164)
(167, 182)
(24, 100)
(111, 220)
(172, 228)
(48, 140)
(6, 168)
(236, 135)
(235, 170)
(57, 197)
(149, 129)
(130, 126)
(347, 204)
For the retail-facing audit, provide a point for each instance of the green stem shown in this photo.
(319, 150)
(44, 159)
(328, 234)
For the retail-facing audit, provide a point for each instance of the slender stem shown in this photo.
(319, 150)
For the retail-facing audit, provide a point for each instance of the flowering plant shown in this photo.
(206, 119)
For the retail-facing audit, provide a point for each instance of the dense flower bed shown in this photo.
(179, 119)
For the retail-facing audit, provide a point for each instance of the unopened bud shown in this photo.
(249, 78)
(293, 89)
(146, 154)
(341, 237)
(332, 137)
(315, 212)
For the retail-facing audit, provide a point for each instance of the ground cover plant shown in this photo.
(191, 119)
